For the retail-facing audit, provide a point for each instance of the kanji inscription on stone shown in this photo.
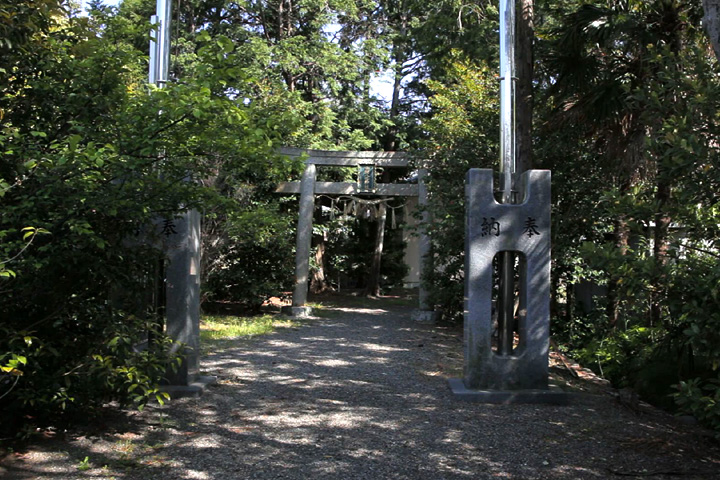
(531, 227)
(489, 227)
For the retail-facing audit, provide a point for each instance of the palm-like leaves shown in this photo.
(600, 56)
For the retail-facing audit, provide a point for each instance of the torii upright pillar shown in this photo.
(425, 313)
(303, 244)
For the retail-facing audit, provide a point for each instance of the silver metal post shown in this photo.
(507, 98)
(160, 43)
(507, 169)
(152, 74)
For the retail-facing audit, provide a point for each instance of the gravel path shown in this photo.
(362, 394)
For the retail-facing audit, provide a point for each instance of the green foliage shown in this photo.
(637, 80)
(84, 464)
(64, 373)
(91, 156)
(694, 300)
(462, 134)
(250, 255)
(701, 399)
(350, 247)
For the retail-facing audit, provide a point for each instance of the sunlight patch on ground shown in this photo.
(344, 418)
(331, 401)
(333, 362)
(370, 311)
(382, 348)
(578, 471)
(285, 344)
(197, 475)
(364, 452)
(286, 366)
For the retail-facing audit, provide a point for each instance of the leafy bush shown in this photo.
(92, 156)
(462, 134)
(701, 399)
(695, 301)
(250, 256)
(75, 369)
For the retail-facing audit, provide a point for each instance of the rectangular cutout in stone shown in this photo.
(506, 338)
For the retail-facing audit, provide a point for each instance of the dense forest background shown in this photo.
(618, 98)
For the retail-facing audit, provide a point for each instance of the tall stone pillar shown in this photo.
(303, 243)
(182, 245)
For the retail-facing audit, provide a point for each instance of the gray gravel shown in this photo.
(362, 394)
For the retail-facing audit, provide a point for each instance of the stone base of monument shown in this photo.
(426, 317)
(551, 396)
(297, 312)
(193, 389)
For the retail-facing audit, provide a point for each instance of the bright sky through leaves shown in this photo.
(380, 86)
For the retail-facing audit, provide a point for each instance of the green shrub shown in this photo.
(701, 399)
(250, 256)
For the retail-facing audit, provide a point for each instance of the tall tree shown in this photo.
(601, 57)
(525, 34)
(373, 284)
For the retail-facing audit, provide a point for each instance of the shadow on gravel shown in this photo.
(361, 393)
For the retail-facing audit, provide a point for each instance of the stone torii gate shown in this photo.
(308, 187)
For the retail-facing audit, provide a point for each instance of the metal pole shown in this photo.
(507, 98)
(506, 299)
(160, 43)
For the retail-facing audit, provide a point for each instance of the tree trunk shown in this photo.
(524, 58)
(318, 284)
(660, 251)
(399, 56)
(711, 20)
(373, 283)
(569, 303)
(622, 242)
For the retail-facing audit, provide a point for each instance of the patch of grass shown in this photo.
(84, 464)
(224, 327)
(228, 327)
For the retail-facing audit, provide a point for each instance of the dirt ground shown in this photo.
(360, 392)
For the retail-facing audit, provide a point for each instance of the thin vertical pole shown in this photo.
(507, 98)
(160, 43)
(507, 169)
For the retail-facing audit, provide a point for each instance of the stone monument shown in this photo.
(516, 232)
(491, 229)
